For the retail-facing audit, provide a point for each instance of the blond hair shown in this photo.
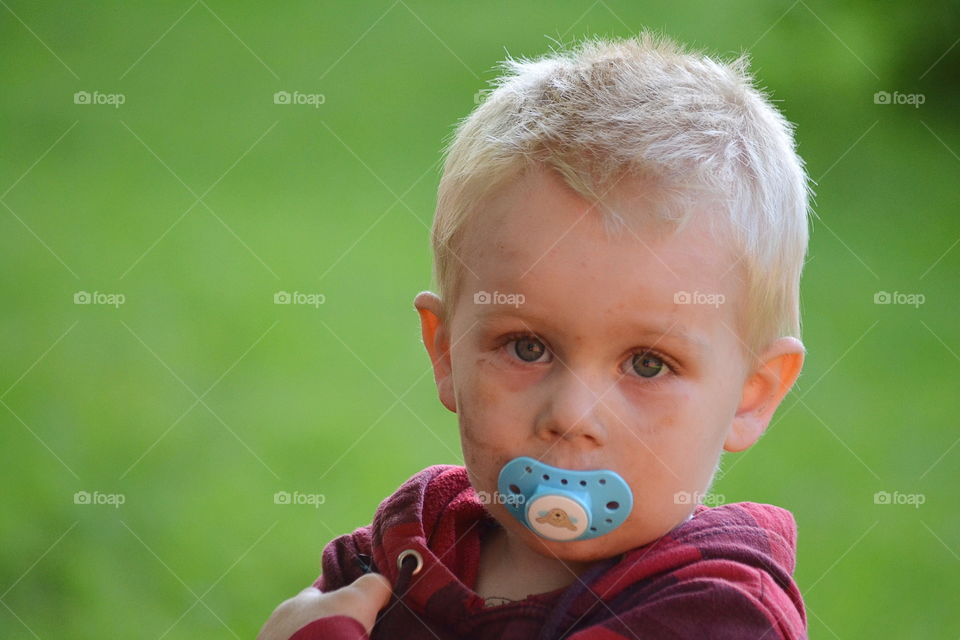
(644, 108)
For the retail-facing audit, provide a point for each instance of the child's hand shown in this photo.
(361, 599)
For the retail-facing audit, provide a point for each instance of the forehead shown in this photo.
(539, 239)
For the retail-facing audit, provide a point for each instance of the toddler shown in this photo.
(618, 242)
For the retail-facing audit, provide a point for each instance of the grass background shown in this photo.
(199, 398)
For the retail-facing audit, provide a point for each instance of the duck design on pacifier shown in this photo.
(558, 518)
(564, 504)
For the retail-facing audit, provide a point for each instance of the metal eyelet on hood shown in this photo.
(410, 553)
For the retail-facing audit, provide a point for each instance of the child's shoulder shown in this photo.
(748, 523)
(752, 536)
(745, 514)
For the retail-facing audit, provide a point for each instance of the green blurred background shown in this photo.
(199, 198)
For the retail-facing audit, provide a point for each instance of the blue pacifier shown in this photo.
(562, 504)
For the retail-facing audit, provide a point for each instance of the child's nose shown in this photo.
(574, 411)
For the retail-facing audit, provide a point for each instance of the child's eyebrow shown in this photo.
(672, 332)
(677, 334)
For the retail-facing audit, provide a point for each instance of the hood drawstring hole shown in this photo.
(409, 562)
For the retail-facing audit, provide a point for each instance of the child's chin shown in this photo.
(591, 550)
(612, 544)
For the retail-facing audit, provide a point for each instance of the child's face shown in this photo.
(555, 376)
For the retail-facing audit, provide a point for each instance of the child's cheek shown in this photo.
(494, 395)
(484, 435)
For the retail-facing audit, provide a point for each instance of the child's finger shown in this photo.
(375, 587)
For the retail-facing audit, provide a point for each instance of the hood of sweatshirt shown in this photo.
(438, 514)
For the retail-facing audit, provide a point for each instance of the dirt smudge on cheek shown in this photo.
(479, 400)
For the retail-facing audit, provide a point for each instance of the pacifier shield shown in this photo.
(563, 504)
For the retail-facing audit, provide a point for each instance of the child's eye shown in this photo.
(648, 365)
(527, 348)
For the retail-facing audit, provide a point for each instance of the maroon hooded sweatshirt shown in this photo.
(724, 573)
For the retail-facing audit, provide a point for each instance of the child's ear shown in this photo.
(763, 391)
(436, 339)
